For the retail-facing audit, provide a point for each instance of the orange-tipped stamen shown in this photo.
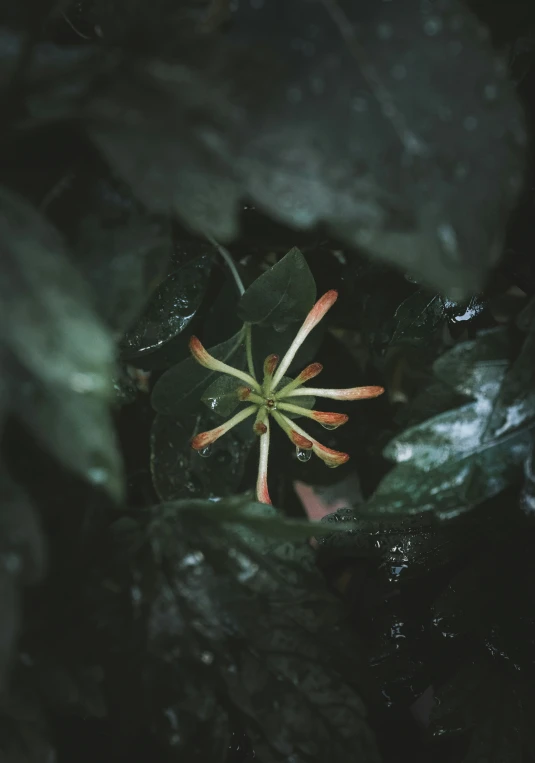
(262, 492)
(306, 374)
(203, 439)
(300, 441)
(299, 438)
(331, 420)
(331, 457)
(313, 318)
(259, 427)
(243, 393)
(353, 393)
(270, 364)
(203, 357)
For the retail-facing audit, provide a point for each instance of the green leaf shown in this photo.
(77, 429)
(462, 457)
(22, 561)
(236, 624)
(418, 317)
(121, 254)
(59, 355)
(170, 310)
(180, 388)
(178, 471)
(494, 705)
(45, 310)
(282, 295)
(222, 396)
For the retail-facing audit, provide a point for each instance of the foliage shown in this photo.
(149, 608)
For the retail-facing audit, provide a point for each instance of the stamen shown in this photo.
(262, 492)
(313, 318)
(203, 439)
(331, 457)
(306, 374)
(203, 357)
(330, 420)
(298, 437)
(353, 393)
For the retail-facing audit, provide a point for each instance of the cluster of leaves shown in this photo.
(148, 608)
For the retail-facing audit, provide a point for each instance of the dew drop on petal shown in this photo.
(331, 466)
(329, 426)
(302, 454)
(205, 452)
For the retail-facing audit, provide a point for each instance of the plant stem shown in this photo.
(249, 349)
(230, 262)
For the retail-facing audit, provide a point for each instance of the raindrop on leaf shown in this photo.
(205, 452)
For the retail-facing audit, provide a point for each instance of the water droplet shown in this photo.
(280, 327)
(329, 426)
(205, 452)
(302, 454)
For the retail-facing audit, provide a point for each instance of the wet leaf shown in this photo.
(181, 387)
(44, 306)
(75, 428)
(22, 562)
(404, 550)
(282, 295)
(418, 317)
(236, 622)
(170, 310)
(178, 471)
(222, 395)
(494, 705)
(461, 457)
(121, 254)
(330, 110)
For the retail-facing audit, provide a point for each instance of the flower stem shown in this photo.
(230, 262)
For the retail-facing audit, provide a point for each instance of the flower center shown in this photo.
(270, 403)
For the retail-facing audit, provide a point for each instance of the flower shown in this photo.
(269, 400)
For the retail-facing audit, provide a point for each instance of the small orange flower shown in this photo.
(266, 400)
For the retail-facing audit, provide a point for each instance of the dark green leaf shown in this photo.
(406, 549)
(234, 622)
(170, 309)
(22, 561)
(494, 704)
(418, 317)
(178, 471)
(180, 388)
(282, 295)
(222, 396)
(462, 457)
(77, 429)
(44, 308)
(121, 257)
